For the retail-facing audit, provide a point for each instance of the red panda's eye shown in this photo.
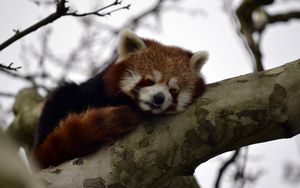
(149, 82)
(173, 90)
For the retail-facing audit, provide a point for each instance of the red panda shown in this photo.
(146, 78)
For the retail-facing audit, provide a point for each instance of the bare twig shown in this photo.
(28, 78)
(133, 23)
(155, 10)
(43, 2)
(98, 12)
(9, 67)
(225, 166)
(61, 10)
(242, 168)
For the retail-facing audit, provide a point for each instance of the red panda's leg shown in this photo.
(80, 134)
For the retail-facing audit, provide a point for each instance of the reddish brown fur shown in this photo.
(200, 88)
(113, 76)
(171, 61)
(81, 134)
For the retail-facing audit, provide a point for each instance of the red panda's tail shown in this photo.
(80, 134)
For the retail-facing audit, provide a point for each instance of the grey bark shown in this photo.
(232, 113)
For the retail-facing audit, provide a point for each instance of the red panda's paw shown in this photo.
(123, 119)
(109, 122)
(126, 116)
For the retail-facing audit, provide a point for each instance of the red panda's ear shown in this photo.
(197, 61)
(129, 43)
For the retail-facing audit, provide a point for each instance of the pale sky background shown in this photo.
(212, 31)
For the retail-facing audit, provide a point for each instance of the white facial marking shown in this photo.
(184, 98)
(144, 106)
(146, 98)
(157, 75)
(129, 80)
(173, 84)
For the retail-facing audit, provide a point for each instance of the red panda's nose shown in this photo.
(158, 98)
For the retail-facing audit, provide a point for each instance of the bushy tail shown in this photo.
(81, 134)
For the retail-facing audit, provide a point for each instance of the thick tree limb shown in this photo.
(233, 113)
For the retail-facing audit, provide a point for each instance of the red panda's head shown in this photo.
(159, 78)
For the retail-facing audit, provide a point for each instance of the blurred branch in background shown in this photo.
(27, 77)
(235, 165)
(250, 20)
(291, 172)
(248, 26)
(225, 166)
(43, 2)
(6, 94)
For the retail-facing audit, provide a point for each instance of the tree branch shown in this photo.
(98, 12)
(6, 94)
(248, 25)
(225, 166)
(28, 78)
(284, 17)
(233, 113)
(244, 14)
(9, 67)
(61, 10)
